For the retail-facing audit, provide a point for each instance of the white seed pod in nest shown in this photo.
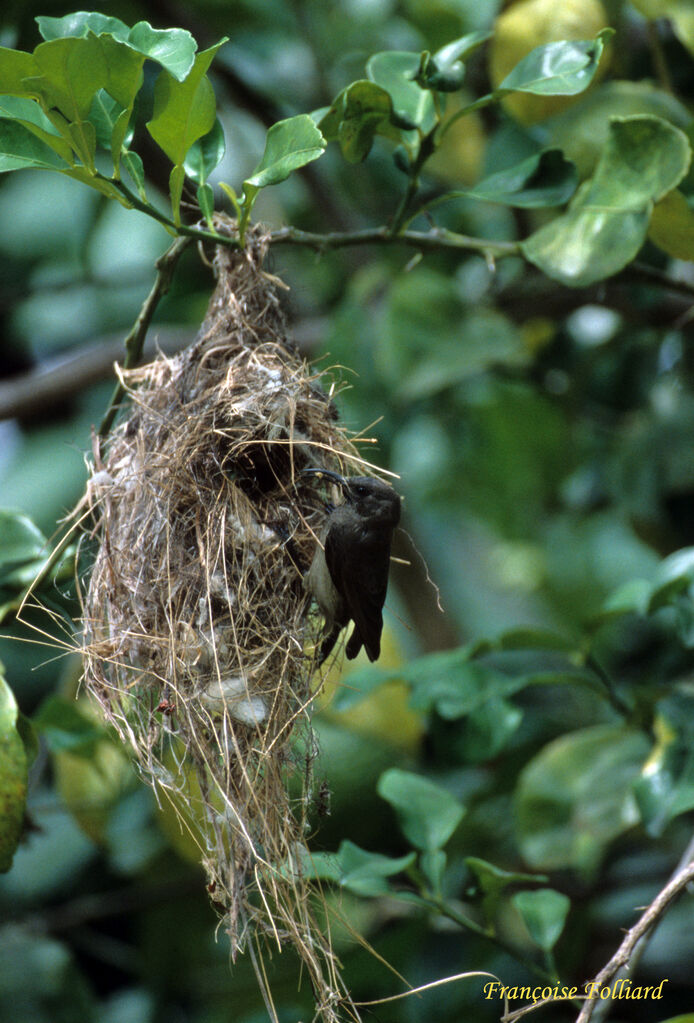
(196, 617)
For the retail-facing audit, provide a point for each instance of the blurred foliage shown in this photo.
(515, 777)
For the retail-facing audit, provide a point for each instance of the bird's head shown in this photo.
(370, 497)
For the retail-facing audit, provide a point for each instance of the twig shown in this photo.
(624, 956)
(166, 264)
(436, 238)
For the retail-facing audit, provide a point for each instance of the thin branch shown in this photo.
(624, 956)
(135, 340)
(436, 238)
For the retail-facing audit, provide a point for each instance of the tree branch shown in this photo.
(641, 931)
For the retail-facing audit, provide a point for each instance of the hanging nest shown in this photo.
(198, 629)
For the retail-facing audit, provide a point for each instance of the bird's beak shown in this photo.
(335, 476)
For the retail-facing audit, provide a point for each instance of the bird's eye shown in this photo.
(360, 489)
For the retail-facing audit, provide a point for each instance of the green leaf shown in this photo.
(544, 914)
(65, 728)
(607, 221)
(13, 776)
(493, 880)
(557, 69)
(183, 111)
(28, 113)
(358, 114)
(433, 866)
(23, 549)
(665, 787)
(361, 872)
(545, 179)
(395, 72)
(21, 149)
(674, 576)
(173, 48)
(133, 164)
(535, 639)
(427, 813)
(487, 729)
(15, 67)
(80, 24)
(575, 796)
(289, 144)
(71, 72)
(205, 153)
(365, 873)
(459, 49)
(206, 202)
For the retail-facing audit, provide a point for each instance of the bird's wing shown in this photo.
(362, 581)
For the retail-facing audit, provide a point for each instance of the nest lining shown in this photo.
(196, 618)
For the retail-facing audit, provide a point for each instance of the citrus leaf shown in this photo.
(183, 111)
(205, 153)
(607, 222)
(575, 796)
(545, 179)
(395, 71)
(427, 813)
(557, 69)
(544, 914)
(173, 48)
(289, 144)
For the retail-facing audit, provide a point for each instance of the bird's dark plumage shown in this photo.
(349, 574)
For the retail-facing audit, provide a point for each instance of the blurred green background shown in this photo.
(543, 437)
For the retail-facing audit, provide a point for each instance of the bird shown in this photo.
(349, 572)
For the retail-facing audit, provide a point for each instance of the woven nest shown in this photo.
(198, 629)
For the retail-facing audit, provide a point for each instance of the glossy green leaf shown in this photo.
(607, 221)
(675, 575)
(544, 914)
(173, 48)
(65, 728)
(631, 598)
(427, 813)
(395, 72)
(575, 796)
(557, 69)
(545, 179)
(183, 111)
(493, 881)
(176, 181)
(81, 23)
(289, 144)
(13, 776)
(460, 49)
(205, 153)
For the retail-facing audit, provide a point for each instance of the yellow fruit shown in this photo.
(672, 226)
(530, 23)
